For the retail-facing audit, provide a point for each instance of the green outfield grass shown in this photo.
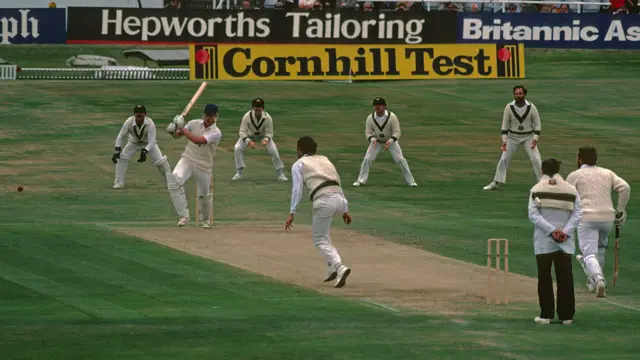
(72, 288)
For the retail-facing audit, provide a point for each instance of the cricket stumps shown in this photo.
(501, 286)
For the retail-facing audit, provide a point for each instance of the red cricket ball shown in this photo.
(202, 56)
(20, 188)
(504, 54)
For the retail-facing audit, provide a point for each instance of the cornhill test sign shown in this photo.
(363, 62)
(91, 25)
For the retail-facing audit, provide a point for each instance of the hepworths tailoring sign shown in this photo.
(92, 25)
(565, 31)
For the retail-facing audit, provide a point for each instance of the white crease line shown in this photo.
(380, 305)
(621, 305)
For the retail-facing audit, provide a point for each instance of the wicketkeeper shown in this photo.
(142, 137)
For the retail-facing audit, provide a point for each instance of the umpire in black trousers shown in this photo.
(555, 210)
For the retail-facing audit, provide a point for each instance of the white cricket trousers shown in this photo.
(396, 153)
(185, 169)
(593, 239)
(325, 207)
(132, 148)
(512, 147)
(127, 154)
(272, 149)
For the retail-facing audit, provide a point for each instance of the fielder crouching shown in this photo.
(142, 137)
(555, 209)
(196, 160)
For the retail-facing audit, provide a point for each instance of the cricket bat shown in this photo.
(616, 256)
(194, 99)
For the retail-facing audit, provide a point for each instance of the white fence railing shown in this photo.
(104, 73)
(8, 72)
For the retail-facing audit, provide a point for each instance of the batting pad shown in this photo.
(205, 207)
(163, 167)
(178, 196)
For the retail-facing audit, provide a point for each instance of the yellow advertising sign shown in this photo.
(363, 62)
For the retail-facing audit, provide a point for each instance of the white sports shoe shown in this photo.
(183, 222)
(357, 184)
(118, 186)
(492, 185)
(542, 321)
(343, 273)
(281, 177)
(413, 184)
(206, 225)
(237, 177)
(331, 274)
(567, 322)
(601, 289)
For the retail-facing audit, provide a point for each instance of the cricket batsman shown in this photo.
(197, 159)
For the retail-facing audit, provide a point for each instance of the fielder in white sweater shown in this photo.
(595, 184)
(319, 175)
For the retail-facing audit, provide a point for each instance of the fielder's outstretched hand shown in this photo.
(534, 143)
(265, 141)
(347, 218)
(386, 146)
(503, 147)
(287, 224)
(252, 144)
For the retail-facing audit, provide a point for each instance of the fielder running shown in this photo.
(594, 184)
(382, 126)
(257, 125)
(520, 127)
(196, 160)
(319, 175)
(142, 137)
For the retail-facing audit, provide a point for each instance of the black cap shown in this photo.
(139, 109)
(379, 101)
(211, 109)
(258, 102)
(551, 166)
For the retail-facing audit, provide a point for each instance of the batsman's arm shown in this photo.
(395, 128)
(122, 135)
(268, 127)
(537, 125)
(244, 129)
(537, 219)
(368, 129)
(575, 217)
(151, 137)
(624, 192)
(506, 124)
(297, 186)
(210, 138)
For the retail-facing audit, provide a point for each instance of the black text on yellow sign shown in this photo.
(366, 62)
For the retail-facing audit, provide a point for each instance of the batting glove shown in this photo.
(621, 218)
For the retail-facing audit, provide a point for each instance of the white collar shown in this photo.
(585, 166)
(144, 122)
(526, 103)
(386, 113)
